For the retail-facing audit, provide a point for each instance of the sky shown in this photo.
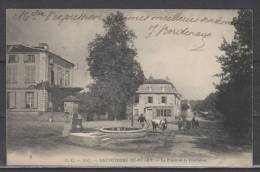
(163, 48)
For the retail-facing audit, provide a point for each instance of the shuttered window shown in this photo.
(29, 58)
(136, 98)
(11, 100)
(164, 99)
(29, 99)
(13, 59)
(30, 74)
(150, 99)
(59, 77)
(11, 74)
(67, 78)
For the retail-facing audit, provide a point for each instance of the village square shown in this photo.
(124, 116)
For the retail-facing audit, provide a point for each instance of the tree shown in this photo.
(235, 88)
(113, 66)
(208, 104)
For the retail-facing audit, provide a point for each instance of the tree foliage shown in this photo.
(235, 88)
(208, 104)
(113, 66)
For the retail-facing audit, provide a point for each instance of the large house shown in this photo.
(157, 98)
(29, 66)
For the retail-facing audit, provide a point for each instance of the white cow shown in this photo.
(159, 123)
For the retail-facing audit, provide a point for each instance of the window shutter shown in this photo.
(35, 105)
(146, 99)
(27, 73)
(25, 100)
(8, 75)
(159, 99)
(15, 74)
(12, 100)
(33, 73)
(30, 74)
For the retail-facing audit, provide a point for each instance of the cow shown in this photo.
(159, 123)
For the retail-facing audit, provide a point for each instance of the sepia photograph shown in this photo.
(129, 87)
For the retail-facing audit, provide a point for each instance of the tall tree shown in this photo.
(235, 88)
(113, 66)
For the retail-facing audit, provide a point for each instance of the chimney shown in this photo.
(43, 46)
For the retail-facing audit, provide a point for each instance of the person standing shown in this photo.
(142, 120)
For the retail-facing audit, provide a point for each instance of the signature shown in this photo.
(164, 30)
(158, 30)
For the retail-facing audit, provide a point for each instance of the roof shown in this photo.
(157, 86)
(71, 99)
(22, 49)
(19, 48)
(157, 81)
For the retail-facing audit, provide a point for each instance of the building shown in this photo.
(26, 68)
(157, 98)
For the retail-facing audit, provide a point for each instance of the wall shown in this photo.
(171, 98)
(40, 70)
(42, 73)
(64, 66)
(40, 100)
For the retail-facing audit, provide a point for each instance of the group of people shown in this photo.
(156, 123)
(183, 123)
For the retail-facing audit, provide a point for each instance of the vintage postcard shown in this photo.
(129, 87)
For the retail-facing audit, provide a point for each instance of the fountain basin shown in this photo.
(106, 136)
(85, 139)
(123, 132)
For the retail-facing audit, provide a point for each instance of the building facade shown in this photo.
(157, 98)
(28, 66)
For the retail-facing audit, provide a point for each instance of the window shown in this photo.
(11, 74)
(163, 112)
(29, 99)
(150, 99)
(59, 76)
(52, 77)
(11, 100)
(136, 99)
(169, 112)
(51, 61)
(13, 59)
(30, 74)
(67, 78)
(164, 99)
(29, 58)
(62, 79)
(158, 112)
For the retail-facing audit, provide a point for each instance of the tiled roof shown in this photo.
(19, 48)
(153, 86)
(22, 49)
(157, 81)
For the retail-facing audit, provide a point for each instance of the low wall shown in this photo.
(36, 116)
(56, 116)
